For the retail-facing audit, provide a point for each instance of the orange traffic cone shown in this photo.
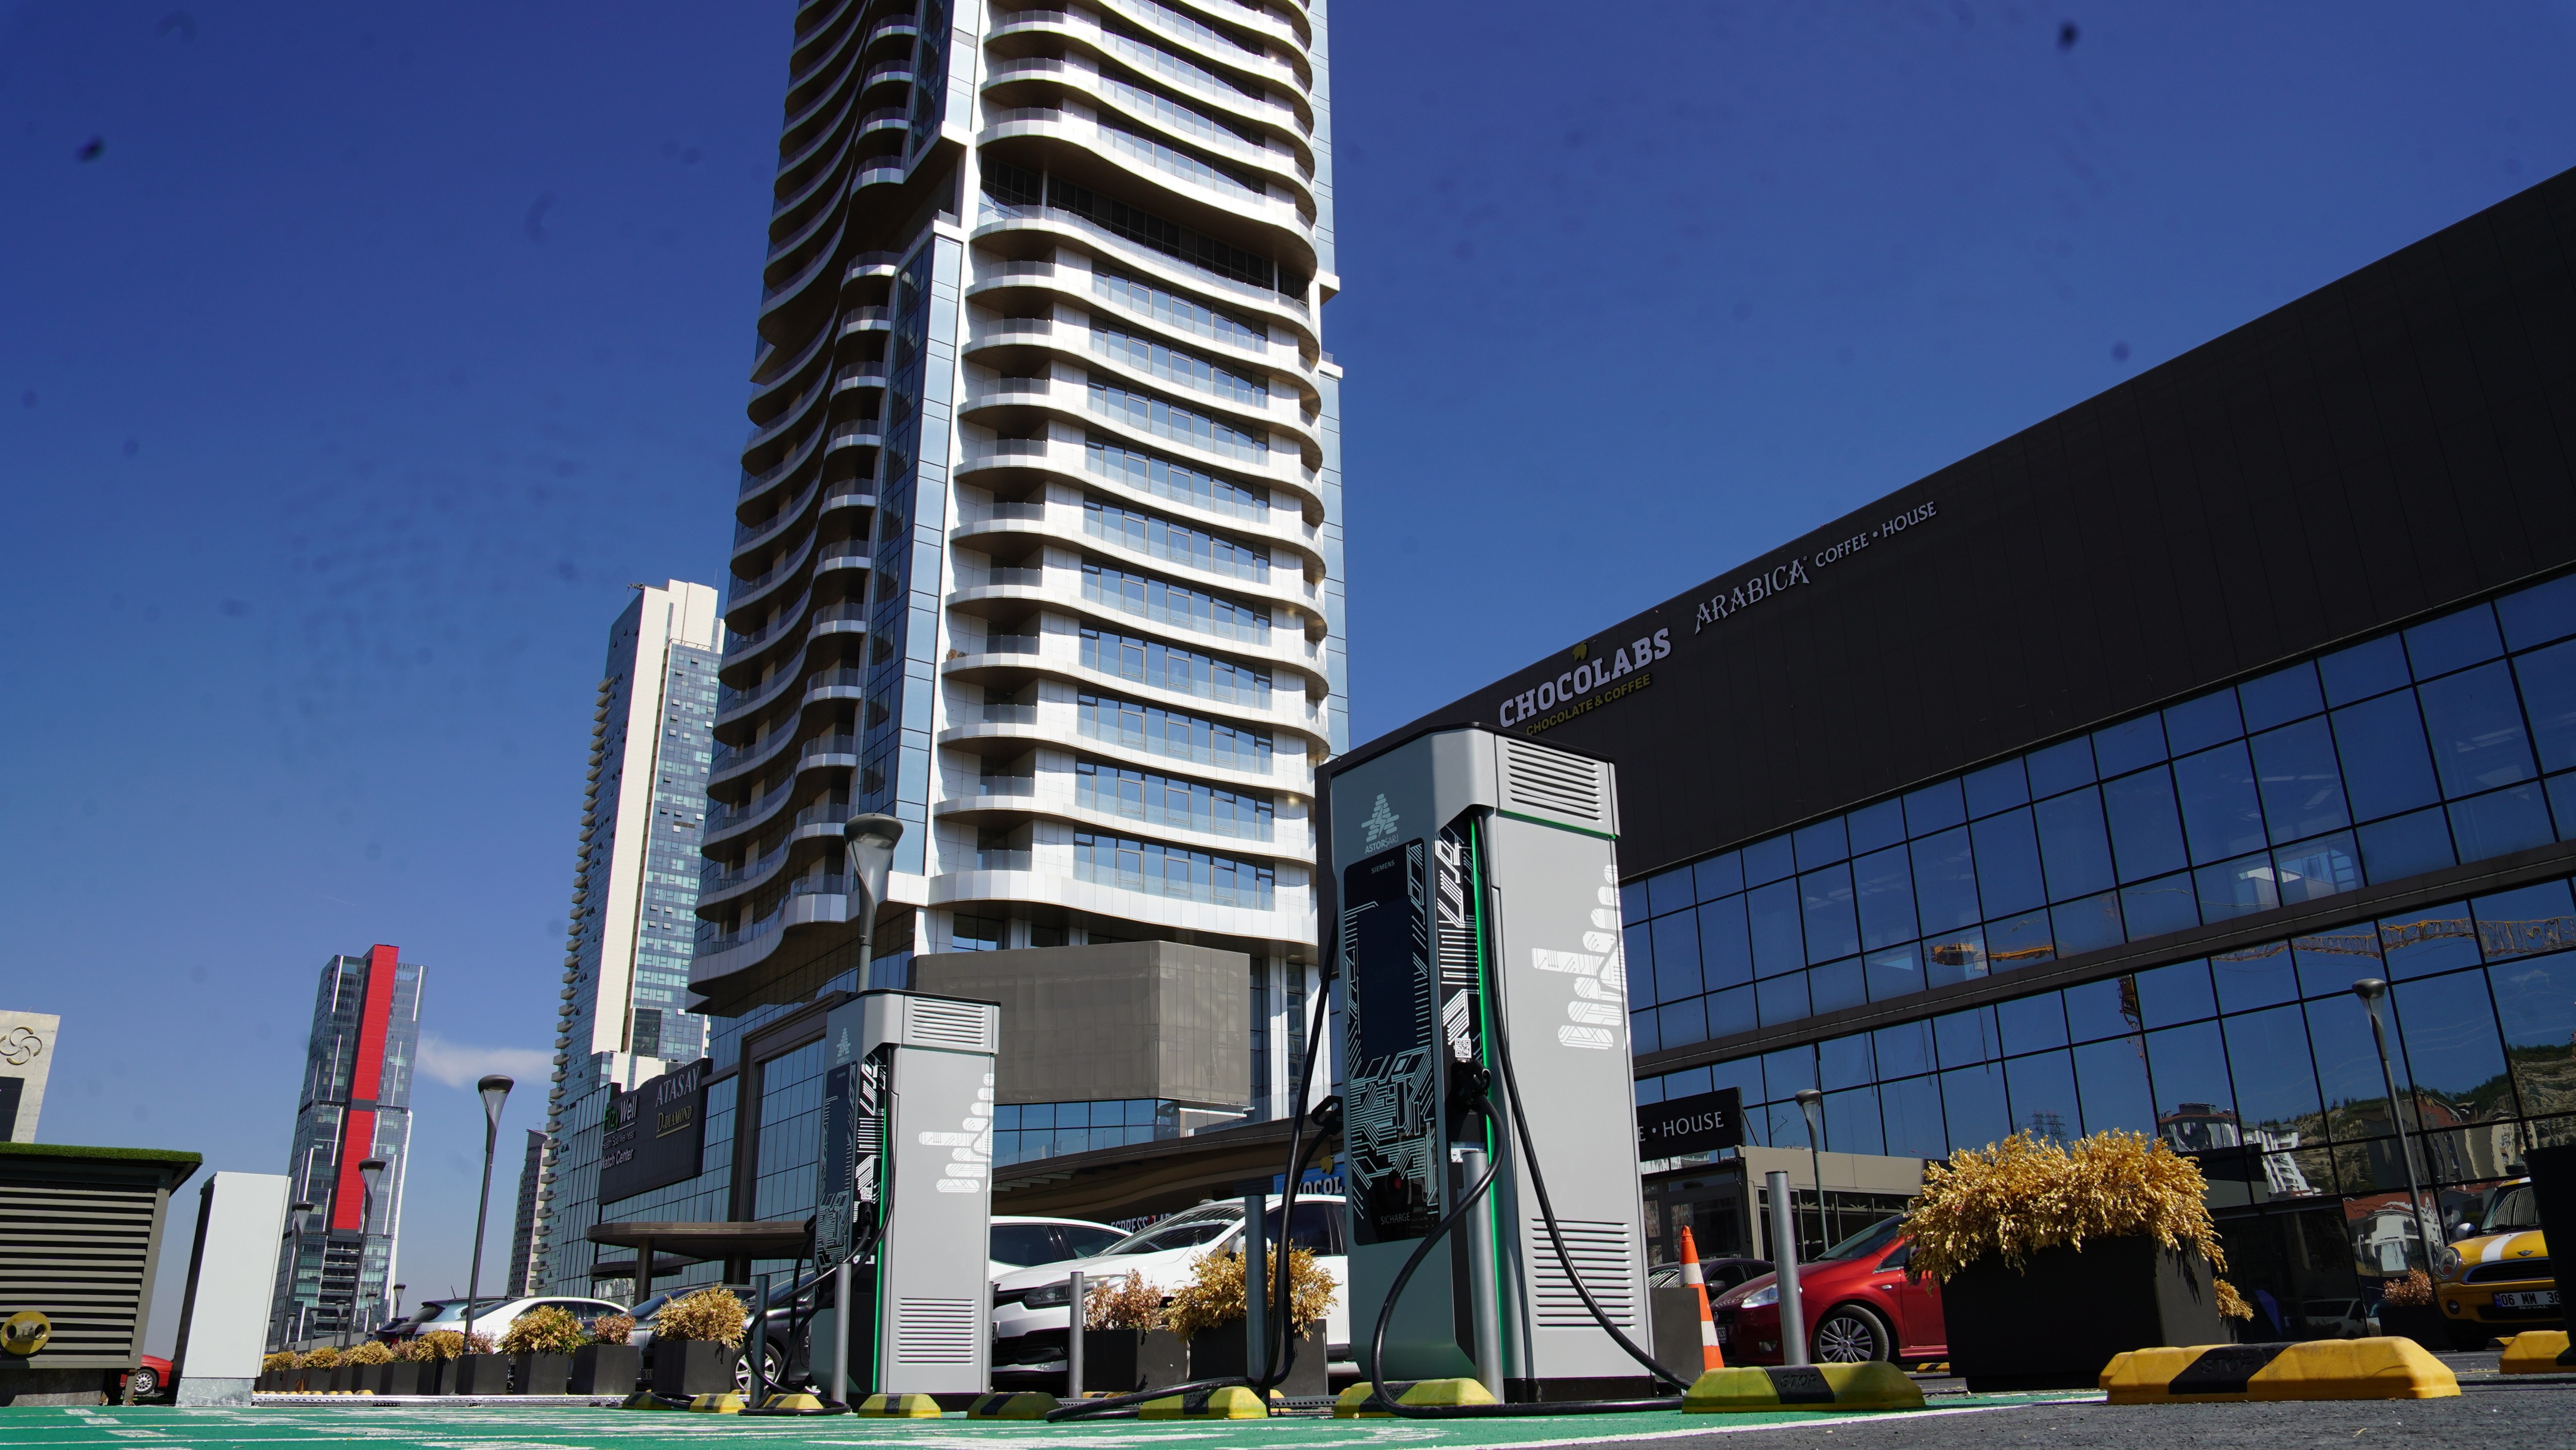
(1711, 1357)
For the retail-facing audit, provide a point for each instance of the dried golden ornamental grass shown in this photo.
(1214, 1296)
(1128, 1303)
(2023, 1195)
(710, 1314)
(374, 1351)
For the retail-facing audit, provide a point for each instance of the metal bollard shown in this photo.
(1480, 1286)
(841, 1332)
(1077, 1308)
(758, 1348)
(1784, 1263)
(1256, 1284)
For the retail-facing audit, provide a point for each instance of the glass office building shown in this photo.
(2073, 787)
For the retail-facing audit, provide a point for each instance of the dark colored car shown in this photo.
(1719, 1274)
(1857, 1302)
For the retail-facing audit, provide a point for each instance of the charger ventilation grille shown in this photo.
(935, 1331)
(950, 1024)
(1604, 1253)
(1567, 786)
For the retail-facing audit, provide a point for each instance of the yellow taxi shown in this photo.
(2499, 1282)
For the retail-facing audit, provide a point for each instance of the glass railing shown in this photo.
(1176, 366)
(858, 317)
(713, 878)
(1008, 644)
(997, 210)
(1010, 714)
(1001, 578)
(1180, 425)
(722, 818)
(1020, 786)
(1005, 861)
(974, 513)
(1180, 163)
(1090, 796)
(1169, 112)
(1250, 898)
(829, 745)
(1256, 632)
(841, 614)
(1173, 310)
(1157, 543)
(1251, 762)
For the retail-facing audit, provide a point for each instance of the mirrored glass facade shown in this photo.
(2446, 744)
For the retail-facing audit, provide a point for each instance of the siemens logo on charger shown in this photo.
(1591, 674)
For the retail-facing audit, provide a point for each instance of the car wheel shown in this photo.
(773, 1365)
(1851, 1335)
(145, 1384)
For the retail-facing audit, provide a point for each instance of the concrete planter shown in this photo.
(404, 1377)
(2423, 1323)
(1122, 1361)
(686, 1368)
(478, 1374)
(606, 1369)
(2057, 1323)
(1220, 1353)
(540, 1374)
(344, 1379)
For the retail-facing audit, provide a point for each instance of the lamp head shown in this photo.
(1809, 1097)
(495, 1089)
(2370, 990)
(871, 840)
(373, 1171)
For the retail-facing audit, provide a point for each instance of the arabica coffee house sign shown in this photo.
(1597, 679)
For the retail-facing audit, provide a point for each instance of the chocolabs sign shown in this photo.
(1597, 679)
(656, 1134)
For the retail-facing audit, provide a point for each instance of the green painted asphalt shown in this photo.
(592, 1429)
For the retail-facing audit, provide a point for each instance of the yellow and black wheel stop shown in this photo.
(1225, 1402)
(727, 1403)
(1354, 1403)
(899, 1407)
(2537, 1351)
(2323, 1369)
(647, 1400)
(1869, 1385)
(1022, 1405)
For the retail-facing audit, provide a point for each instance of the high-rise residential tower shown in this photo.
(354, 1106)
(522, 1277)
(635, 883)
(1039, 531)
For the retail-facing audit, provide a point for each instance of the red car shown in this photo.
(1857, 1302)
(152, 1382)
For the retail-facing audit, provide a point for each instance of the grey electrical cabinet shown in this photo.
(906, 1189)
(1478, 912)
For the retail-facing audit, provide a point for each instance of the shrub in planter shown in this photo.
(540, 1344)
(608, 1365)
(1209, 1312)
(1124, 1344)
(436, 1353)
(366, 1364)
(2053, 1260)
(696, 1340)
(274, 1371)
(318, 1366)
(480, 1370)
(2407, 1311)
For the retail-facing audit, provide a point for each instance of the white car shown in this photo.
(1031, 1306)
(495, 1316)
(1019, 1242)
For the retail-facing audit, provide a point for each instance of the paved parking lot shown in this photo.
(2490, 1412)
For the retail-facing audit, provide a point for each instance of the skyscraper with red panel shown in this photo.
(354, 1106)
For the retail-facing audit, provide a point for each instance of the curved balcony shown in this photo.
(1191, 126)
(850, 498)
(872, 264)
(1069, 462)
(732, 762)
(864, 319)
(845, 618)
(1201, 41)
(1283, 370)
(726, 822)
(752, 538)
(1195, 196)
(1171, 68)
(820, 822)
(871, 375)
(1068, 806)
(1073, 402)
(789, 418)
(995, 218)
(760, 485)
(854, 433)
(1288, 925)
(847, 555)
(1230, 769)
(1288, 707)
(728, 966)
(746, 646)
(1283, 587)
(748, 593)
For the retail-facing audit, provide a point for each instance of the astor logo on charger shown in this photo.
(1591, 671)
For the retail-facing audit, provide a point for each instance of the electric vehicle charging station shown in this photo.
(1480, 947)
(905, 1195)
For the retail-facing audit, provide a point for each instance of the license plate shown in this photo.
(1723, 1337)
(2535, 1299)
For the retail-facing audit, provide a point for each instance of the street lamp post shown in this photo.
(370, 1173)
(495, 1089)
(2373, 992)
(394, 1311)
(1811, 1106)
(295, 1261)
(871, 840)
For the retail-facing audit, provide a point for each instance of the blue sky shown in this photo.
(354, 357)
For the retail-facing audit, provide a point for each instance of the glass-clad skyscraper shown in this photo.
(1037, 541)
(635, 888)
(354, 1107)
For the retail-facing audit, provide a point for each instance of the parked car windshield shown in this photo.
(2515, 1209)
(455, 1309)
(1087, 1242)
(1180, 1235)
(1868, 1241)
